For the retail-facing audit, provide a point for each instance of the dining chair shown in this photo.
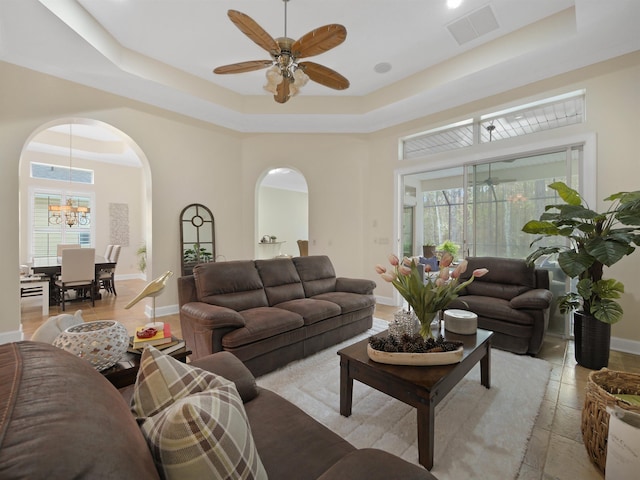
(107, 252)
(107, 275)
(63, 246)
(77, 273)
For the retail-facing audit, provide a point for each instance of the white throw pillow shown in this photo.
(53, 326)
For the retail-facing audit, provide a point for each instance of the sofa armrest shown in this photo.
(227, 365)
(355, 285)
(537, 298)
(204, 325)
(373, 464)
(213, 316)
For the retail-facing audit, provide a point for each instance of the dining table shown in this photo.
(51, 267)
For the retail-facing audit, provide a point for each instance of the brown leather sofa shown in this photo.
(61, 419)
(271, 312)
(513, 300)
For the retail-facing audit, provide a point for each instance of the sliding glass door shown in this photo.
(504, 195)
(482, 207)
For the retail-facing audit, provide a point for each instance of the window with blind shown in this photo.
(46, 234)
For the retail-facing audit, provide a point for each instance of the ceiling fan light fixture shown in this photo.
(285, 53)
(300, 79)
(274, 77)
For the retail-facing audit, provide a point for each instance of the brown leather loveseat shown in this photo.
(513, 300)
(271, 312)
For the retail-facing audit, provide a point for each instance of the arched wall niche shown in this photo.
(125, 183)
(282, 211)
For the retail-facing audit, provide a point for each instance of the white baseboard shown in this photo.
(161, 311)
(131, 276)
(13, 336)
(385, 301)
(624, 345)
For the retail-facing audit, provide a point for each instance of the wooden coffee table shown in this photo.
(420, 387)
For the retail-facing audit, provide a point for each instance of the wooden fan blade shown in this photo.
(242, 67)
(319, 40)
(282, 91)
(255, 32)
(324, 75)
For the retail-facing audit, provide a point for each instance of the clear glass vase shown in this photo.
(404, 323)
(429, 324)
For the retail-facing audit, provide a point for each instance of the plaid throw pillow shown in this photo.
(194, 421)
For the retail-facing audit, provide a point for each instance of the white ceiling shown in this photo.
(162, 52)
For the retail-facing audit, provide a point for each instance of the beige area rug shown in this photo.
(480, 433)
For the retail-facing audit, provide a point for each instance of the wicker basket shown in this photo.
(595, 419)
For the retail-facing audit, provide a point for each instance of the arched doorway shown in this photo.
(84, 161)
(282, 212)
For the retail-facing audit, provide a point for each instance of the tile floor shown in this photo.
(555, 451)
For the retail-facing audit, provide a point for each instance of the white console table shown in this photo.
(43, 283)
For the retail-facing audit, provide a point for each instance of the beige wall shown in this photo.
(285, 214)
(350, 177)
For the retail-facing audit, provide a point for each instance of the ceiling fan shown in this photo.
(286, 75)
(493, 181)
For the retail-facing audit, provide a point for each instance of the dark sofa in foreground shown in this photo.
(271, 312)
(512, 300)
(61, 419)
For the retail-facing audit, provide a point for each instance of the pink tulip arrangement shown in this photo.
(427, 297)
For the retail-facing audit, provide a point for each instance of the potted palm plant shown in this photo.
(594, 240)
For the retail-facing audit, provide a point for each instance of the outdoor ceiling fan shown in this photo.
(285, 74)
(493, 181)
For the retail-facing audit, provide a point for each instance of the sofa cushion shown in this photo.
(316, 273)
(234, 285)
(538, 299)
(510, 271)
(497, 290)
(280, 279)
(349, 302)
(374, 464)
(230, 367)
(492, 307)
(261, 323)
(311, 310)
(60, 418)
(310, 447)
(194, 421)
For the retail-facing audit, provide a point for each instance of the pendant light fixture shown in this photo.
(69, 213)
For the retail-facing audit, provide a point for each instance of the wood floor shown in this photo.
(555, 450)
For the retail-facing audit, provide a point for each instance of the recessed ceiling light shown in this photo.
(451, 4)
(383, 67)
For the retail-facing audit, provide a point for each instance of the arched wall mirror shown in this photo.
(197, 237)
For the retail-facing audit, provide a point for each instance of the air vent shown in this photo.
(474, 25)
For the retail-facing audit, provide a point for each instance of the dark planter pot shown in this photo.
(428, 251)
(592, 341)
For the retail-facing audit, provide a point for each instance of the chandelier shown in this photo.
(69, 213)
